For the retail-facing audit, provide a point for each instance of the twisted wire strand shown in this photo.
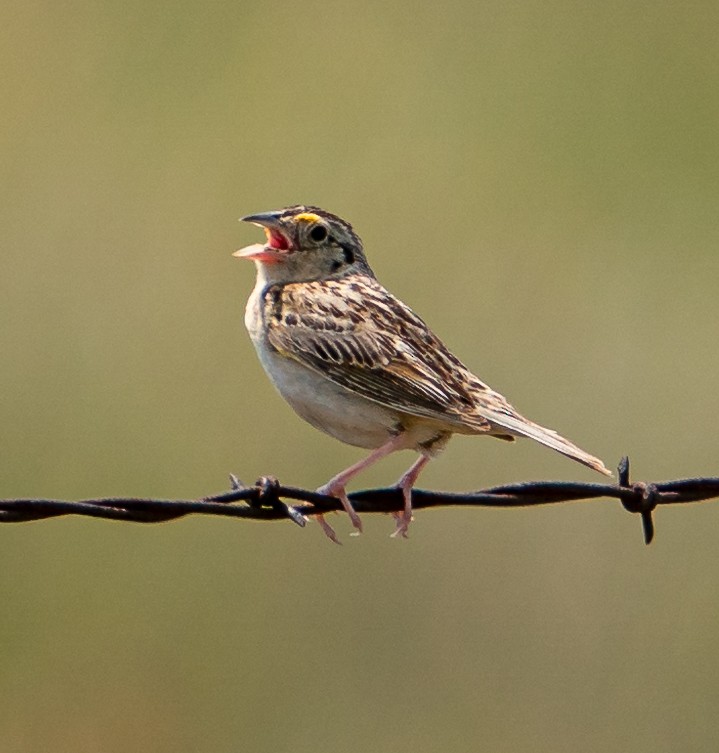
(265, 500)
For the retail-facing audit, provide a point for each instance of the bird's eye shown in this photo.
(318, 233)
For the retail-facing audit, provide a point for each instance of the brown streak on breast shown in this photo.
(273, 298)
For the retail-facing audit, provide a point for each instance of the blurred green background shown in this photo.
(540, 182)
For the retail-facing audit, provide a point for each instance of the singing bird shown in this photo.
(357, 363)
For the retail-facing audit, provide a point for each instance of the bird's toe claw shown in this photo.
(328, 530)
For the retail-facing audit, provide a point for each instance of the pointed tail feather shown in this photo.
(516, 424)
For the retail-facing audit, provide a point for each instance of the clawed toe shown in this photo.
(354, 518)
(327, 529)
(401, 525)
(341, 494)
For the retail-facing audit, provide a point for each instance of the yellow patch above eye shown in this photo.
(307, 217)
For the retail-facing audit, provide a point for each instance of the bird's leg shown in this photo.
(406, 482)
(336, 487)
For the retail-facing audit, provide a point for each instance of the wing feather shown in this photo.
(357, 334)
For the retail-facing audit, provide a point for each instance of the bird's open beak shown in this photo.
(278, 244)
(263, 219)
(258, 252)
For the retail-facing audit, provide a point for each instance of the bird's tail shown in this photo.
(519, 426)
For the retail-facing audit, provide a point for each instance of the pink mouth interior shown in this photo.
(276, 240)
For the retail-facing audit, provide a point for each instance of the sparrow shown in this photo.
(357, 363)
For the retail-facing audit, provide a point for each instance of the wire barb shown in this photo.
(266, 500)
(643, 500)
(268, 489)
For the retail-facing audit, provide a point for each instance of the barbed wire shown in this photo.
(265, 500)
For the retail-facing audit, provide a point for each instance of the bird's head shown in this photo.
(304, 243)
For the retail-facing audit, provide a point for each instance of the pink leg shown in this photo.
(403, 519)
(335, 487)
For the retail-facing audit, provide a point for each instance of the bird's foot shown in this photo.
(338, 490)
(401, 524)
(403, 517)
(327, 529)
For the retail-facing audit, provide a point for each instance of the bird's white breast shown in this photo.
(325, 405)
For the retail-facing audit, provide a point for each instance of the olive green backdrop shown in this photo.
(540, 182)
